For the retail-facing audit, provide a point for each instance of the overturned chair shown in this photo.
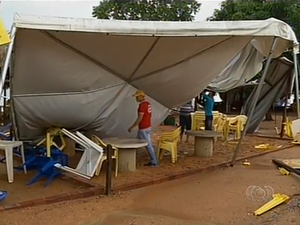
(99, 142)
(89, 160)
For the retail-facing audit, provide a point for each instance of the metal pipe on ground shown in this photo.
(279, 163)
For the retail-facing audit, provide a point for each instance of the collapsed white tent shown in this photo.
(278, 81)
(81, 73)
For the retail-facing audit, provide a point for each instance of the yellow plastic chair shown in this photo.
(48, 140)
(168, 142)
(220, 124)
(236, 126)
(99, 142)
(217, 123)
(288, 128)
(199, 120)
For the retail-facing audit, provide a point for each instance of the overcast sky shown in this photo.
(71, 8)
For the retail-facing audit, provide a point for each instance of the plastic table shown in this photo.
(8, 147)
(126, 151)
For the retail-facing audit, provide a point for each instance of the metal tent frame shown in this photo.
(258, 91)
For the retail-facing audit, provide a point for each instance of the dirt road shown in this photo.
(215, 198)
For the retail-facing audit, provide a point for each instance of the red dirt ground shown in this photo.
(19, 191)
(214, 198)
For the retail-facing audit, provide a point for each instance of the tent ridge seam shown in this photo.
(175, 64)
(82, 54)
(144, 59)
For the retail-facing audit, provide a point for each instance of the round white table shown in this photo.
(126, 151)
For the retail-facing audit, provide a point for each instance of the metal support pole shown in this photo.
(293, 82)
(296, 83)
(283, 123)
(109, 153)
(196, 100)
(7, 59)
(255, 99)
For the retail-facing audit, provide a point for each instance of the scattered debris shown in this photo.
(278, 199)
(267, 147)
(296, 140)
(283, 171)
(262, 146)
(246, 162)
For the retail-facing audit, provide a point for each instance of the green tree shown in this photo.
(152, 10)
(285, 10)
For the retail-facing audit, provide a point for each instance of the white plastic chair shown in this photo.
(8, 147)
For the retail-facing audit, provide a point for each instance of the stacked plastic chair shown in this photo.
(168, 142)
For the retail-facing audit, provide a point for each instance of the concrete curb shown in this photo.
(99, 190)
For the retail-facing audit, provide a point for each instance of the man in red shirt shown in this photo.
(144, 125)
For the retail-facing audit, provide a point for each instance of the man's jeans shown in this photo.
(145, 134)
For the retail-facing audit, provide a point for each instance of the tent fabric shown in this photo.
(239, 71)
(278, 81)
(81, 73)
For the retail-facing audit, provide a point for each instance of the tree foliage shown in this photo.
(153, 10)
(285, 10)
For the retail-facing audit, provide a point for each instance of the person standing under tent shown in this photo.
(185, 119)
(143, 122)
(208, 107)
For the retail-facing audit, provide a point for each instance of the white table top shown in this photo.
(125, 142)
(4, 144)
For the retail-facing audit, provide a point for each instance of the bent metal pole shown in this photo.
(255, 99)
(296, 83)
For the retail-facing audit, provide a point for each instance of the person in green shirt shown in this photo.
(208, 108)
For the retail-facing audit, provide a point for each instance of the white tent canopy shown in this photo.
(81, 73)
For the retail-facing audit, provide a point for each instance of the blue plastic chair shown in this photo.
(47, 170)
(3, 195)
(45, 165)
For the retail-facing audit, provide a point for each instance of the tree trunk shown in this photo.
(269, 115)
